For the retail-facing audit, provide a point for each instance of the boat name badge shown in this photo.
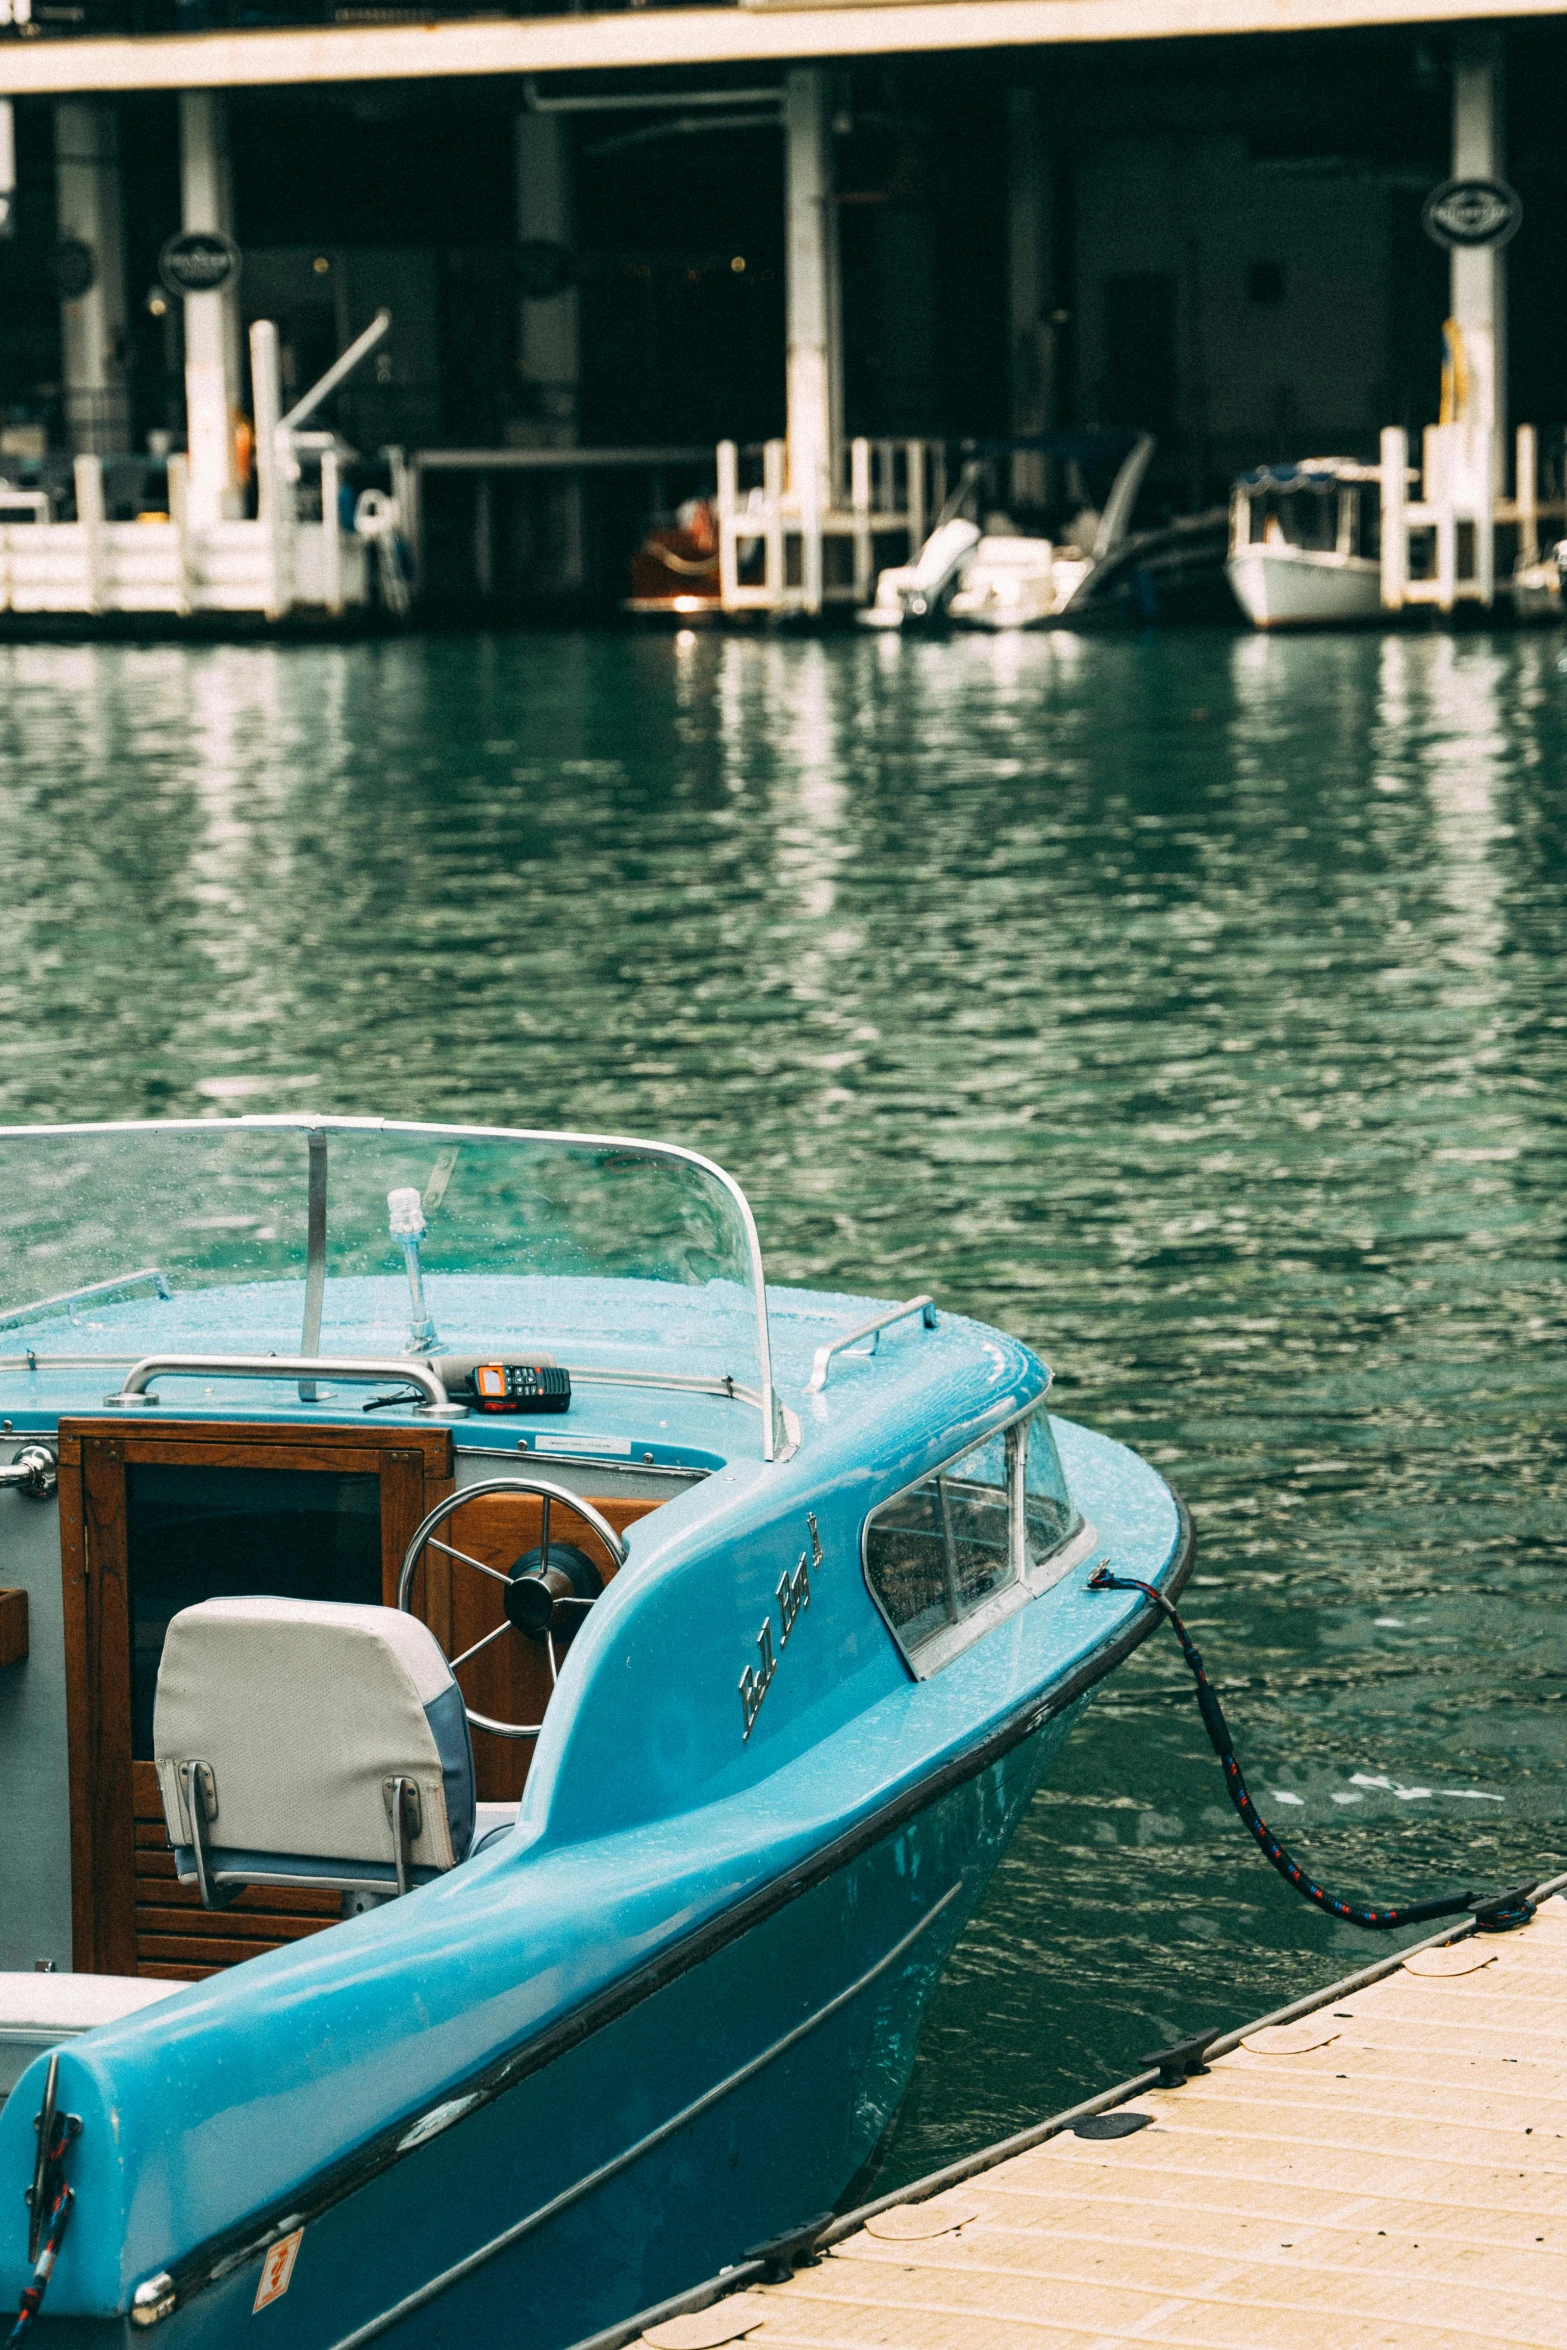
(794, 1597)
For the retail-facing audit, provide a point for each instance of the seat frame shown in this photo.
(219, 1887)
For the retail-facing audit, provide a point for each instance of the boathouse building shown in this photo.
(608, 241)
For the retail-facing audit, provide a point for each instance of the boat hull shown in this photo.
(733, 2102)
(1296, 587)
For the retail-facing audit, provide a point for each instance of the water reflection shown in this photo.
(1192, 1005)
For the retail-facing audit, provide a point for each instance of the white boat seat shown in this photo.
(297, 1719)
(39, 2011)
(491, 1822)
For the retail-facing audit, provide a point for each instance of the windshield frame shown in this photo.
(672, 1153)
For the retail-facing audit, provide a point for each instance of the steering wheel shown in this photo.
(541, 1598)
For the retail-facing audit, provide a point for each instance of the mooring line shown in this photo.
(1494, 1912)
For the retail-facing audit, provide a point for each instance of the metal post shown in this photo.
(728, 504)
(812, 363)
(1526, 495)
(774, 455)
(331, 541)
(88, 471)
(549, 330)
(811, 544)
(179, 522)
(315, 1251)
(211, 320)
(484, 536)
(1029, 245)
(407, 497)
(89, 212)
(860, 500)
(1395, 530)
(7, 168)
(914, 462)
(274, 488)
(1440, 486)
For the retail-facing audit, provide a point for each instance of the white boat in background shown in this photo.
(1537, 586)
(1304, 544)
(1001, 578)
(1018, 582)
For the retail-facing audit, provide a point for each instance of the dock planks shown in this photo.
(1386, 2171)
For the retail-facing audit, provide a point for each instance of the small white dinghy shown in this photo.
(1001, 578)
(1304, 544)
(1537, 587)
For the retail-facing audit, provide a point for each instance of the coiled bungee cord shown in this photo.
(1496, 1911)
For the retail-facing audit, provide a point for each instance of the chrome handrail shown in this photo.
(364, 1370)
(821, 1361)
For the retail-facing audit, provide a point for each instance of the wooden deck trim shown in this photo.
(112, 1797)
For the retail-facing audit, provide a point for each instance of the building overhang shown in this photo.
(760, 33)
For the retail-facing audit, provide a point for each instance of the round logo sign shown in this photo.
(73, 270)
(1472, 212)
(199, 262)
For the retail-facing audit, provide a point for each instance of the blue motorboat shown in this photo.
(503, 1718)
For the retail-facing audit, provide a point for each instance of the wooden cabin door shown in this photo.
(153, 1519)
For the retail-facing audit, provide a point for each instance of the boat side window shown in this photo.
(961, 1548)
(1049, 1517)
(935, 1555)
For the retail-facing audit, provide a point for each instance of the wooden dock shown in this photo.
(1383, 2165)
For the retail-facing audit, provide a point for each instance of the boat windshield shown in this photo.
(624, 1257)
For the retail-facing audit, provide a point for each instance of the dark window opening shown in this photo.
(937, 1553)
(194, 1534)
(1265, 283)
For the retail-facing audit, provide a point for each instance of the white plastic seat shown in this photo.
(39, 2011)
(491, 1821)
(328, 1743)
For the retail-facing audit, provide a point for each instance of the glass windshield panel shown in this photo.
(601, 1251)
(1049, 1518)
(938, 1552)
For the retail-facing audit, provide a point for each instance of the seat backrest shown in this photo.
(304, 1710)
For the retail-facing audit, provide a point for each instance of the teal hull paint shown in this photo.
(776, 2150)
(669, 2015)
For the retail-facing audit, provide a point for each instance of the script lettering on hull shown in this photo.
(793, 1596)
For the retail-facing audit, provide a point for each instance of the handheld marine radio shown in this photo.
(520, 1387)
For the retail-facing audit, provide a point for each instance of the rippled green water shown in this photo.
(1192, 1006)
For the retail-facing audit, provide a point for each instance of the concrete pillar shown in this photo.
(1479, 274)
(1030, 253)
(274, 489)
(211, 320)
(550, 331)
(815, 368)
(89, 211)
(549, 342)
(7, 168)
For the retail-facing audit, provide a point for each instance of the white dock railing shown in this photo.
(884, 491)
(92, 566)
(278, 563)
(1440, 548)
